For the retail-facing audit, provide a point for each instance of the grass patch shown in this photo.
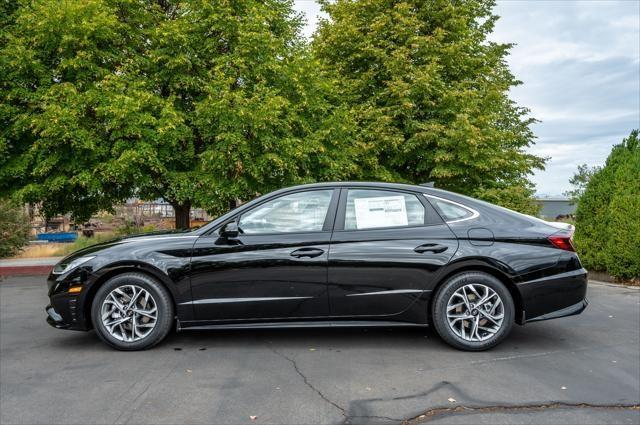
(62, 249)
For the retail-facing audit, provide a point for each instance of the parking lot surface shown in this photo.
(582, 369)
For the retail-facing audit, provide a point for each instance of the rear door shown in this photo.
(385, 249)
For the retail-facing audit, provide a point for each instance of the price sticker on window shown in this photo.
(383, 211)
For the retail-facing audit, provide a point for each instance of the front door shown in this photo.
(386, 247)
(276, 268)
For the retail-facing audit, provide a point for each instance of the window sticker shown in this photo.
(383, 211)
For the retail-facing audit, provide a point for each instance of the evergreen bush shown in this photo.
(608, 214)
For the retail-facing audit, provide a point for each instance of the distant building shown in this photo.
(553, 208)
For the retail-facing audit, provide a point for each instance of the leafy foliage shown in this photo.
(202, 103)
(517, 197)
(55, 150)
(430, 95)
(580, 180)
(14, 228)
(196, 102)
(608, 214)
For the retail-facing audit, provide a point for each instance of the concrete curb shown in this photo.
(613, 284)
(27, 266)
(25, 271)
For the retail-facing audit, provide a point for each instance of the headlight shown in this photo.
(61, 268)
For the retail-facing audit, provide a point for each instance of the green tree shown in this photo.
(429, 92)
(197, 102)
(608, 214)
(7, 10)
(54, 57)
(580, 180)
(14, 228)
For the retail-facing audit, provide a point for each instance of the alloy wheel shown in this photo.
(129, 313)
(475, 312)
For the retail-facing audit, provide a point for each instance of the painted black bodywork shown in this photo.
(334, 277)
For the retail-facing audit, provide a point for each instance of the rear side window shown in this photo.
(452, 211)
(371, 209)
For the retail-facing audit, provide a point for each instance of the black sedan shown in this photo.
(330, 254)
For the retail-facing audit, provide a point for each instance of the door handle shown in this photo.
(307, 252)
(430, 247)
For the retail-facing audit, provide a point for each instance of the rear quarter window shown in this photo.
(452, 211)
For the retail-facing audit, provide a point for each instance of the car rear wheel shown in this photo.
(473, 311)
(132, 311)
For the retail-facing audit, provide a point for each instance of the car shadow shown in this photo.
(537, 337)
(363, 337)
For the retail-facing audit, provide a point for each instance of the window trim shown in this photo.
(474, 213)
(339, 225)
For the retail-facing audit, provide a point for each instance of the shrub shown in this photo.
(148, 228)
(130, 228)
(127, 228)
(14, 228)
(623, 242)
(608, 214)
(83, 242)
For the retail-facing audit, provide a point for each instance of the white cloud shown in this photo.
(580, 64)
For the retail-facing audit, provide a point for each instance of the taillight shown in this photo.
(563, 240)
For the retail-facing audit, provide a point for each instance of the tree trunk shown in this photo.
(182, 214)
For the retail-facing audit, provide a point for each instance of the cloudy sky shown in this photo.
(580, 65)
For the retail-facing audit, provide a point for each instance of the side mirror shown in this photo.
(230, 230)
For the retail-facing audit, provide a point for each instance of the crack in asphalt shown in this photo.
(306, 380)
(446, 411)
(343, 411)
(438, 412)
(360, 409)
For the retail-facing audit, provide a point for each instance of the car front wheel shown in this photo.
(473, 311)
(132, 311)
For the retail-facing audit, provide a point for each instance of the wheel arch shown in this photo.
(479, 265)
(121, 268)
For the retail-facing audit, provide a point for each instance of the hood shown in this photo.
(131, 239)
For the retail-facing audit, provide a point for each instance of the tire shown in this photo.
(458, 331)
(112, 301)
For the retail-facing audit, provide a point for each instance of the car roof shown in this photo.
(372, 184)
(430, 190)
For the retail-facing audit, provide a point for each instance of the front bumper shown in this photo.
(54, 319)
(65, 310)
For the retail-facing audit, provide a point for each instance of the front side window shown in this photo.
(295, 213)
(370, 209)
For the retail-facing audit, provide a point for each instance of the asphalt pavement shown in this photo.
(578, 370)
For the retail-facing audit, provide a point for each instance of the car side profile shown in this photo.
(328, 254)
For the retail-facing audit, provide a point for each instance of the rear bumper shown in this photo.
(558, 295)
(572, 310)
